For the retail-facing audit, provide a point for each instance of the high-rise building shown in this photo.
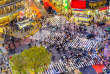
(9, 10)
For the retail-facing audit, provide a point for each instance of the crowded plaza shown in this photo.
(54, 36)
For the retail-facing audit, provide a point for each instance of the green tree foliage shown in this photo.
(34, 59)
(17, 61)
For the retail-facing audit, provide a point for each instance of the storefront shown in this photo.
(104, 14)
(82, 16)
(97, 9)
(82, 19)
(108, 16)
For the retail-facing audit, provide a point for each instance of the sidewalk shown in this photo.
(1, 41)
(19, 43)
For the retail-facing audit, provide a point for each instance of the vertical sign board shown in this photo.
(66, 4)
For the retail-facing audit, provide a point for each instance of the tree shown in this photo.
(34, 59)
(17, 61)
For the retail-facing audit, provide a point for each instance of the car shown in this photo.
(41, 2)
(54, 11)
(89, 36)
(101, 23)
(106, 71)
(108, 29)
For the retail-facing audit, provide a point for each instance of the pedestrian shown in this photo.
(10, 71)
(31, 40)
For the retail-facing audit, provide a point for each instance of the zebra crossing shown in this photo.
(44, 34)
(83, 43)
(78, 42)
(56, 20)
(72, 64)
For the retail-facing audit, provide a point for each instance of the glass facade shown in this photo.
(61, 5)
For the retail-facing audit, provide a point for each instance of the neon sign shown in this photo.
(97, 4)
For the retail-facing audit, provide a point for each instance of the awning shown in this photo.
(78, 10)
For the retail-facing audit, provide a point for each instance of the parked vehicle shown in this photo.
(54, 12)
(101, 23)
(89, 36)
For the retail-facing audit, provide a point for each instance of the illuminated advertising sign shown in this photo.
(65, 3)
(97, 4)
(79, 4)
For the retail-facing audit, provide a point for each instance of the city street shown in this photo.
(75, 36)
(45, 32)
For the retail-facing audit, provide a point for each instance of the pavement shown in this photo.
(20, 45)
(4, 64)
(1, 41)
(88, 70)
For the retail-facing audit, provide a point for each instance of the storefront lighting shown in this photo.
(88, 12)
(109, 10)
(2, 17)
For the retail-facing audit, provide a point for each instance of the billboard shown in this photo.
(97, 4)
(79, 4)
(89, 4)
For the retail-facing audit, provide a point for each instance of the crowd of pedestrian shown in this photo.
(4, 64)
(104, 53)
(74, 54)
